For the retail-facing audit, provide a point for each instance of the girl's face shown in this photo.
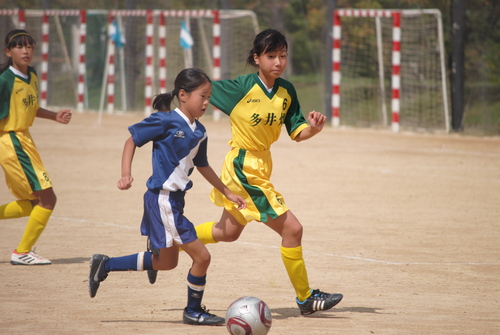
(21, 56)
(195, 103)
(272, 64)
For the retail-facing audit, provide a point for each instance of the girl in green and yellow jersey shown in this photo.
(25, 174)
(258, 105)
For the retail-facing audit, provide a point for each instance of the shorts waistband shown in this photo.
(251, 153)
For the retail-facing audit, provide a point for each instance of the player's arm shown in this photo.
(126, 180)
(316, 122)
(63, 116)
(209, 174)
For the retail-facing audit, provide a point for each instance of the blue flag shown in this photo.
(186, 38)
(116, 35)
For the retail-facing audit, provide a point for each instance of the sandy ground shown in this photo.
(405, 225)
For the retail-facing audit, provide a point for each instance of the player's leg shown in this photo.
(227, 229)
(101, 265)
(290, 230)
(38, 219)
(16, 209)
(195, 313)
(308, 300)
(27, 179)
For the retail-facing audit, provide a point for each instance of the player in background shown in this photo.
(25, 175)
(179, 145)
(258, 105)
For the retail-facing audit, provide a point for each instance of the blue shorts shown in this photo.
(163, 220)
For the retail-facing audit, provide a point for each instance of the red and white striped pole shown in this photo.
(337, 33)
(45, 59)
(396, 59)
(22, 19)
(216, 55)
(111, 67)
(162, 34)
(148, 92)
(396, 62)
(81, 61)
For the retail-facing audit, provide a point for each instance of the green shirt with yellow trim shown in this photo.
(257, 115)
(18, 100)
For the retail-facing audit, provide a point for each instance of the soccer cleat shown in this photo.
(28, 258)
(152, 274)
(318, 301)
(202, 318)
(97, 272)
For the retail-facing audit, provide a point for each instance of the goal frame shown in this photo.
(396, 15)
(159, 74)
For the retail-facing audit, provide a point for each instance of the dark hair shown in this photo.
(268, 40)
(15, 38)
(188, 80)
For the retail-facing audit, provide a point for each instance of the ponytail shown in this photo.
(188, 80)
(162, 102)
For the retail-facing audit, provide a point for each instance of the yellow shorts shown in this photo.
(22, 165)
(248, 173)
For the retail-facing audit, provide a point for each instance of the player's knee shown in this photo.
(46, 199)
(232, 236)
(293, 232)
(205, 259)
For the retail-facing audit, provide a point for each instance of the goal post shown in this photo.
(389, 55)
(76, 55)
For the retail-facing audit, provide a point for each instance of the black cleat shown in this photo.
(318, 301)
(97, 272)
(152, 274)
(202, 318)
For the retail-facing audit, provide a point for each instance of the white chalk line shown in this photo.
(356, 258)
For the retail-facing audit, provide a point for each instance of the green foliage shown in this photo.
(305, 24)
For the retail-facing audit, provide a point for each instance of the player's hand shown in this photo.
(63, 116)
(316, 121)
(125, 182)
(242, 204)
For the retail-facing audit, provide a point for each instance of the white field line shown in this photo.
(356, 258)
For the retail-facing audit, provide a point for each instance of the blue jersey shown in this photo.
(177, 148)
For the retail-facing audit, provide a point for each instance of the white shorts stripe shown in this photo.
(167, 219)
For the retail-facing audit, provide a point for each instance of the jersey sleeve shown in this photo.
(5, 91)
(147, 130)
(201, 158)
(226, 94)
(294, 121)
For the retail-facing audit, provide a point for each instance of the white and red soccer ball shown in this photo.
(248, 316)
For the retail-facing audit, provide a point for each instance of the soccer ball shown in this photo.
(248, 316)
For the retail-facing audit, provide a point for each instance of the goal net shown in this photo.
(389, 69)
(81, 62)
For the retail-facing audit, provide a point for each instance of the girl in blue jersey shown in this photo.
(258, 105)
(179, 145)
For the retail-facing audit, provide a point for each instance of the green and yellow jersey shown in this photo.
(18, 100)
(257, 115)
(19, 158)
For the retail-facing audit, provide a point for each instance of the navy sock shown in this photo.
(134, 262)
(196, 286)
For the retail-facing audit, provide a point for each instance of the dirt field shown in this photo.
(406, 226)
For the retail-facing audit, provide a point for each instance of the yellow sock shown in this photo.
(36, 224)
(296, 269)
(204, 232)
(16, 209)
